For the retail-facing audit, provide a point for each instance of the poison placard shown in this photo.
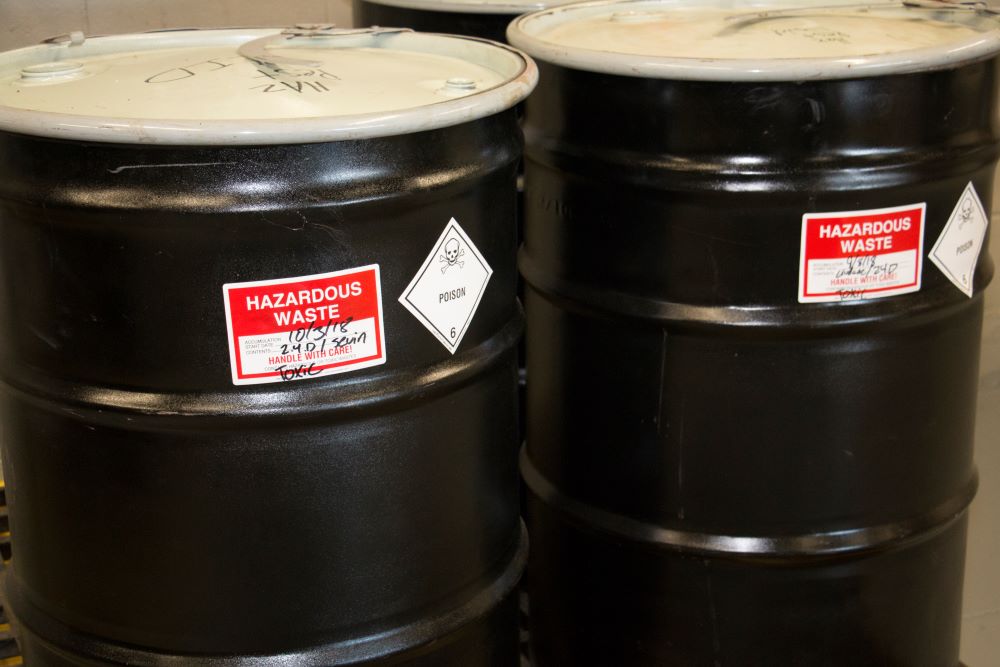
(445, 292)
(305, 327)
(956, 251)
(855, 255)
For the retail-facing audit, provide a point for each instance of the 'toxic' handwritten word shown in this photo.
(296, 372)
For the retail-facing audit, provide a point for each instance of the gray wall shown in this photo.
(24, 22)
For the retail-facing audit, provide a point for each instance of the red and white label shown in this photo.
(305, 327)
(856, 255)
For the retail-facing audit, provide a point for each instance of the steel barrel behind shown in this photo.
(753, 320)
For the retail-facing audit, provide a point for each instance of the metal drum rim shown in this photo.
(776, 319)
(956, 54)
(273, 131)
(826, 544)
(185, 411)
(342, 653)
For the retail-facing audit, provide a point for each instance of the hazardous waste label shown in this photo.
(861, 254)
(305, 327)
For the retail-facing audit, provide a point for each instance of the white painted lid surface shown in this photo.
(195, 87)
(505, 7)
(757, 39)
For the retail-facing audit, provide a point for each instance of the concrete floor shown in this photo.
(24, 22)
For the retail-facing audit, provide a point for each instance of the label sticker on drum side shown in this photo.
(305, 327)
(853, 255)
(445, 293)
(956, 251)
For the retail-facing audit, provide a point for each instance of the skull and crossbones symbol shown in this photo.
(966, 213)
(453, 252)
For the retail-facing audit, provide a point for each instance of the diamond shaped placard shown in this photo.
(956, 251)
(445, 293)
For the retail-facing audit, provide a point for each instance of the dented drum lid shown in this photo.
(765, 41)
(256, 86)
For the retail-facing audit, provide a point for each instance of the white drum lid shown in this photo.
(730, 40)
(212, 87)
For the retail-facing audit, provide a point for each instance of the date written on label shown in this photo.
(856, 255)
(305, 327)
(307, 347)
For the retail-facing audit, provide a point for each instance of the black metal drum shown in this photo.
(755, 255)
(258, 348)
(487, 19)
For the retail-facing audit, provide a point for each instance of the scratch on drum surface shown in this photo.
(680, 461)
(713, 613)
(663, 381)
(48, 340)
(325, 227)
(118, 170)
(290, 227)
